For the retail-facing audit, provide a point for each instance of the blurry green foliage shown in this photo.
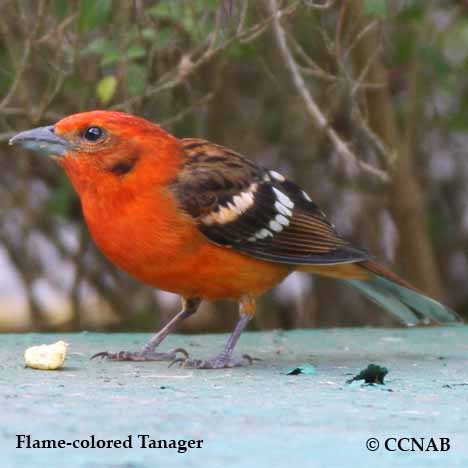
(377, 8)
(435, 60)
(61, 8)
(455, 44)
(109, 52)
(412, 11)
(403, 52)
(242, 51)
(93, 13)
(105, 89)
(135, 51)
(135, 79)
(106, 49)
(112, 52)
(187, 15)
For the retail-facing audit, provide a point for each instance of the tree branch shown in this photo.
(188, 67)
(312, 108)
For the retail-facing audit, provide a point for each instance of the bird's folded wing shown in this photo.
(239, 205)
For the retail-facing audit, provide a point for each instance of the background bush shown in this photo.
(389, 77)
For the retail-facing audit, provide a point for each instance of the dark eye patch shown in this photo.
(123, 167)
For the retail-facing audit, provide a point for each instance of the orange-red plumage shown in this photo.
(136, 223)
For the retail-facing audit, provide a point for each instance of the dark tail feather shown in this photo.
(397, 296)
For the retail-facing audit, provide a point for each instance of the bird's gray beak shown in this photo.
(42, 139)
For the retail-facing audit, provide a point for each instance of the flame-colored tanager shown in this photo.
(202, 221)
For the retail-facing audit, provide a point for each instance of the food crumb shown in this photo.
(46, 357)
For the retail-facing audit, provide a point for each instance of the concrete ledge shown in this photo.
(256, 416)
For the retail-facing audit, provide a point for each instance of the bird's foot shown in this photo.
(219, 362)
(144, 355)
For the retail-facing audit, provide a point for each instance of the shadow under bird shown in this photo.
(202, 221)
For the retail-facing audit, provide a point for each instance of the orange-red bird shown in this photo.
(202, 221)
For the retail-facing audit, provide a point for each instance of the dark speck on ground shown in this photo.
(372, 374)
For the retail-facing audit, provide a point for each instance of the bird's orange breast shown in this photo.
(149, 238)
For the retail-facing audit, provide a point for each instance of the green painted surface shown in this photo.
(251, 417)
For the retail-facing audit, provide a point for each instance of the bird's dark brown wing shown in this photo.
(238, 205)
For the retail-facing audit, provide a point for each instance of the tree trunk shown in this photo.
(415, 252)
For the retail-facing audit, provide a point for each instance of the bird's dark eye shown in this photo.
(93, 133)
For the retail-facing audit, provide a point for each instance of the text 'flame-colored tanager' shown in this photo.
(201, 221)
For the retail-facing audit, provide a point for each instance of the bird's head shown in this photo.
(103, 147)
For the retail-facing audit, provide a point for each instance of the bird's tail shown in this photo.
(398, 297)
(388, 290)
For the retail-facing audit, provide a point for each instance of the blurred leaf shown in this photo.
(149, 34)
(242, 50)
(180, 11)
(412, 11)
(93, 13)
(111, 56)
(164, 8)
(135, 79)
(404, 49)
(96, 46)
(434, 57)
(458, 121)
(61, 8)
(109, 51)
(135, 51)
(163, 38)
(105, 89)
(106, 49)
(377, 8)
(192, 18)
(456, 43)
(206, 5)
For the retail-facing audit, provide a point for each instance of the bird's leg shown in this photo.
(225, 359)
(148, 353)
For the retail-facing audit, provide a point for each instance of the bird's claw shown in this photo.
(144, 355)
(219, 362)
